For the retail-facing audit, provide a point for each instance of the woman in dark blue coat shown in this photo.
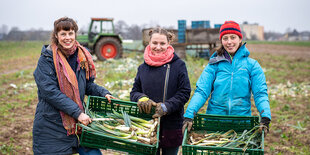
(65, 73)
(162, 81)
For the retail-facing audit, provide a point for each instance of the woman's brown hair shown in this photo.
(170, 36)
(63, 23)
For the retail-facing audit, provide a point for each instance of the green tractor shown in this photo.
(102, 40)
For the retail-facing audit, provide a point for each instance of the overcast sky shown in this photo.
(274, 15)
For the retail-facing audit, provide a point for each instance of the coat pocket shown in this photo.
(50, 114)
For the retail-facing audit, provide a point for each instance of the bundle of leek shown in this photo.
(248, 139)
(123, 126)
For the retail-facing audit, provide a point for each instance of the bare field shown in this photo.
(290, 127)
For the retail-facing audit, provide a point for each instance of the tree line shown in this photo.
(133, 32)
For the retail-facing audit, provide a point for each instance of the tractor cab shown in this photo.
(102, 39)
(100, 26)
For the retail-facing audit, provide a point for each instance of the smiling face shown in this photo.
(231, 43)
(158, 43)
(66, 38)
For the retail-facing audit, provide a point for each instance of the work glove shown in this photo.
(265, 125)
(160, 110)
(188, 122)
(145, 104)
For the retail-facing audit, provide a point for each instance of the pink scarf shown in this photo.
(158, 60)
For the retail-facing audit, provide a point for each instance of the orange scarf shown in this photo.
(68, 82)
(158, 60)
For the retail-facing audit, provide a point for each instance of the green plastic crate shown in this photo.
(215, 123)
(101, 106)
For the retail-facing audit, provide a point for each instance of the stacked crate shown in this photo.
(181, 31)
(200, 24)
(204, 53)
(217, 25)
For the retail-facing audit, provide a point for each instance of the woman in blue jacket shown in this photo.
(64, 74)
(162, 81)
(230, 77)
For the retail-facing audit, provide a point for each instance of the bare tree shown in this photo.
(4, 29)
(121, 28)
(272, 35)
(134, 32)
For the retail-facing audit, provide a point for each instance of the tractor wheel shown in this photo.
(108, 48)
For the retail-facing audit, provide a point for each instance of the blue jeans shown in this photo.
(88, 151)
(168, 151)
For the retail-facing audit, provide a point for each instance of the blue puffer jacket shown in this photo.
(49, 134)
(230, 86)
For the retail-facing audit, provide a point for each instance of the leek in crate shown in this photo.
(119, 126)
(215, 134)
(123, 126)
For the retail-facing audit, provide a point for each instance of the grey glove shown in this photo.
(159, 111)
(145, 104)
(188, 122)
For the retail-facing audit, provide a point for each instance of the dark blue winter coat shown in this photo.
(150, 82)
(49, 134)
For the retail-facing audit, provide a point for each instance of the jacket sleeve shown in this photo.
(136, 91)
(204, 86)
(94, 89)
(183, 91)
(48, 88)
(259, 90)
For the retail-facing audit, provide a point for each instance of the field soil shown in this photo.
(17, 129)
(298, 52)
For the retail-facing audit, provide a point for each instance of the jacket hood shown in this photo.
(175, 57)
(242, 52)
(47, 50)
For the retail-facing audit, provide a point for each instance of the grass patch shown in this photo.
(7, 148)
(15, 49)
(15, 92)
(283, 68)
(293, 43)
(19, 55)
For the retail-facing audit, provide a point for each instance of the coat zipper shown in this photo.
(231, 85)
(166, 82)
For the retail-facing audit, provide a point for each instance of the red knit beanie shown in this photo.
(230, 27)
